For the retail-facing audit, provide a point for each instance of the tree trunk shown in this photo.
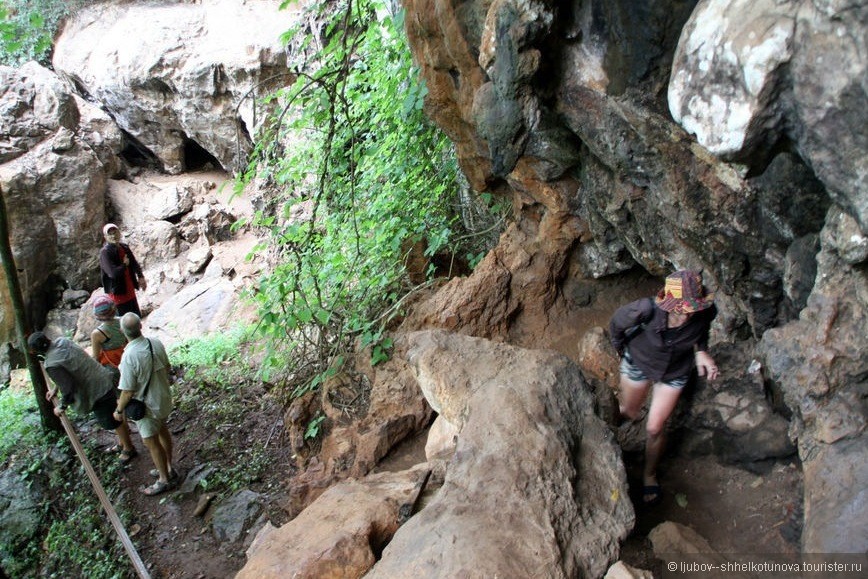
(37, 378)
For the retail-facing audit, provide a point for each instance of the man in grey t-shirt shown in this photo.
(86, 385)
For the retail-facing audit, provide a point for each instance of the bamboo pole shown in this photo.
(103, 497)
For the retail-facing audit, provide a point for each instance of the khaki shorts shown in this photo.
(149, 426)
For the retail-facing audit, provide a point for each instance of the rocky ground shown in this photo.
(200, 531)
(735, 510)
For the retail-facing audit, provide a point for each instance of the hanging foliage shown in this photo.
(362, 175)
(27, 28)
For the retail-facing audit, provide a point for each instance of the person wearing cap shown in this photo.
(121, 273)
(107, 341)
(85, 385)
(660, 342)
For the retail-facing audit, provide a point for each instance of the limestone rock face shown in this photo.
(567, 113)
(819, 361)
(830, 90)
(191, 75)
(35, 104)
(535, 487)
(97, 128)
(731, 416)
(600, 173)
(53, 175)
(748, 74)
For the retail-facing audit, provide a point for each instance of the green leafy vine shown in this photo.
(363, 176)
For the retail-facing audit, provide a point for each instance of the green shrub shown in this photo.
(351, 143)
(22, 427)
(27, 28)
(76, 539)
(211, 356)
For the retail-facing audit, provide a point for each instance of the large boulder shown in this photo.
(728, 71)
(53, 175)
(749, 74)
(193, 75)
(536, 487)
(20, 515)
(199, 308)
(386, 408)
(340, 534)
(600, 175)
(732, 417)
(66, 186)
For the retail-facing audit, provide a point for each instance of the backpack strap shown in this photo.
(634, 331)
(151, 375)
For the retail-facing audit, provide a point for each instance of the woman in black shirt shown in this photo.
(659, 342)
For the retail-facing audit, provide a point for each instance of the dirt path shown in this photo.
(171, 539)
(736, 511)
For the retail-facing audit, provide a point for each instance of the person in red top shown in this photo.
(121, 273)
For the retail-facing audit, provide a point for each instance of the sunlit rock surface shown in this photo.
(193, 73)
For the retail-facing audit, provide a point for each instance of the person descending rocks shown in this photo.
(85, 385)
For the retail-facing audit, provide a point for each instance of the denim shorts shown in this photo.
(629, 369)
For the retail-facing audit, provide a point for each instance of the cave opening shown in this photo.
(196, 158)
(136, 154)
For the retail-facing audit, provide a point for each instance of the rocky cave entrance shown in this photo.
(196, 158)
(137, 155)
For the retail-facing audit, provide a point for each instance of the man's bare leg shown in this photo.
(124, 438)
(158, 456)
(165, 438)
